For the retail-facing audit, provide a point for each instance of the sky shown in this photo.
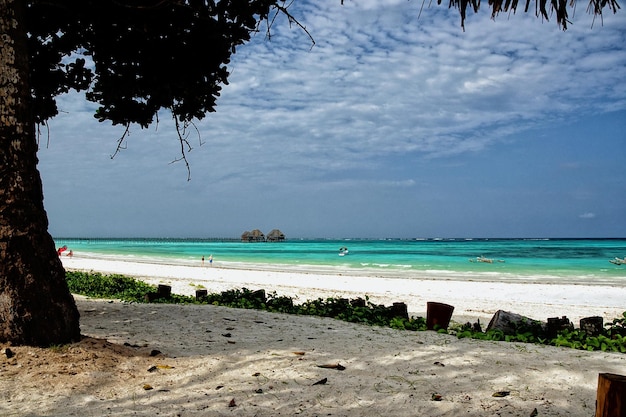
(394, 124)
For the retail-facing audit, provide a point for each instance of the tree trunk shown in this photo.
(36, 307)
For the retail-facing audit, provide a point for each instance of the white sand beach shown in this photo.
(472, 300)
(173, 360)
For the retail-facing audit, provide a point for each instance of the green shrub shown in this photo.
(617, 327)
(97, 285)
(94, 284)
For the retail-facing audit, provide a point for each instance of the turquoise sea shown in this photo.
(539, 260)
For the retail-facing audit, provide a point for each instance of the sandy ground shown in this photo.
(172, 360)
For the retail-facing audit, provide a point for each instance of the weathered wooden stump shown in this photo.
(201, 294)
(259, 295)
(611, 396)
(592, 326)
(358, 302)
(399, 310)
(511, 323)
(556, 324)
(438, 315)
(164, 291)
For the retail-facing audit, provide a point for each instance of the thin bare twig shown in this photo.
(121, 140)
(291, 19)
(183, 143)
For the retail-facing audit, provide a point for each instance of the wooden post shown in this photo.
(399, 310)
(592, 326)
(358, 302)
(259, 295)
(438, 315)
(611, 396)
(164, 291)
(556, 324)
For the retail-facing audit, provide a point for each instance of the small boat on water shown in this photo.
(618, 261)
(485, 260)
(343, 251)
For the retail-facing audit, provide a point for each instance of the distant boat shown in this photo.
(485, 260)
(343, 251)
(618, 261)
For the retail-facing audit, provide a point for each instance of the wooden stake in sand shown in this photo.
(611, 398)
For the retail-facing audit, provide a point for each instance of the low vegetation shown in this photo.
(612, 338)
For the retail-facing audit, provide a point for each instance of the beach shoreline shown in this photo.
(473, 299)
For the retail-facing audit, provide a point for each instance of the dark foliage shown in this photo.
(543, 8)
(147, 54)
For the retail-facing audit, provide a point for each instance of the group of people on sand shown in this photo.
(210, 260)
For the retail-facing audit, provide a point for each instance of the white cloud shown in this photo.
(378, 98)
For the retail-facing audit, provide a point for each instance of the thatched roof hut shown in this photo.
(275, 236)
(257, 235)
(254, 236)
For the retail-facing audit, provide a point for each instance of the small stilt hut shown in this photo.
(254, 236)
(275, 236)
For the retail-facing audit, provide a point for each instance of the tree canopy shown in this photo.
(147, 54)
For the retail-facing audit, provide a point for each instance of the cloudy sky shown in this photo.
(389, 126)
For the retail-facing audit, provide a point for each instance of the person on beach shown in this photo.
(211, 260)
(202, 260)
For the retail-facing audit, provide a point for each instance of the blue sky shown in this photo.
(389, 126)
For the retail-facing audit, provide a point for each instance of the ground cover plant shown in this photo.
(97, 285)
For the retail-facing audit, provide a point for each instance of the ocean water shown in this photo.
(540, 260)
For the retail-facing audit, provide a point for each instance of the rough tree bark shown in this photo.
(36, 307)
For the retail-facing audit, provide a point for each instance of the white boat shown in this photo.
(486, 260)
(618, 261)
